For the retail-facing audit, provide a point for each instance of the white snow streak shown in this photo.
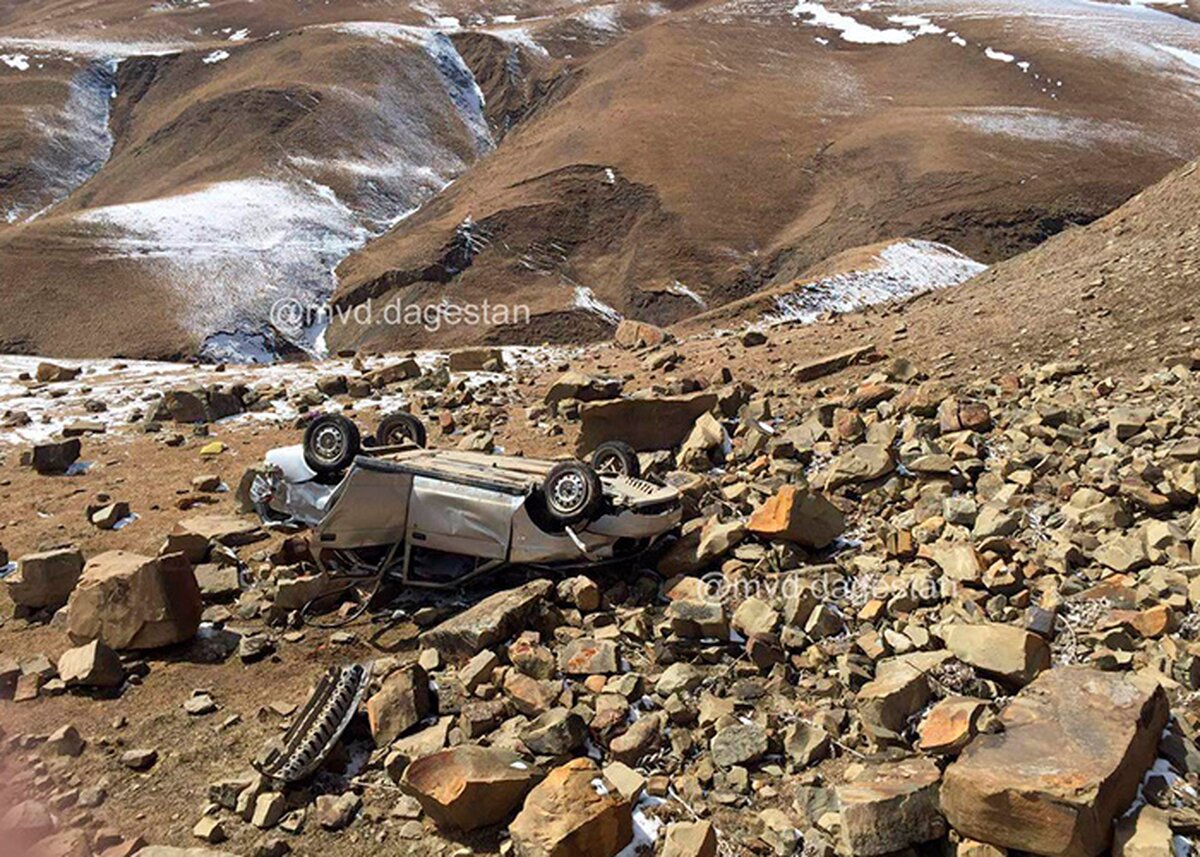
(678, 288)
(93, 48)
(850, 29)
(603, 18)
(903, 269)
(76, 140)
(585, 299)
(1190, 57)
(18, 61)
(1045, 126)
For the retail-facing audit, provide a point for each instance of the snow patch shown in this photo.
(1000, 56)
(919, 23)
(646, 828)
(18, 61)
(678, 288)
(215, 57)
(457, 78)
(383, 31)
(850, 29)
(1190, 57)
(1044, 126)
(77, 140)
(521, 37)
(602, 18)
(462, 88)
(902, 270)
(93, 48)
(234, 248)
(129, 387)
(179, 5)
(585, 299)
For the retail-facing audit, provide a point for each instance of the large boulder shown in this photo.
(645, 423)
(583, 388)
(401, 703)
(690, 839)
(585, 656)
(488, 623)
(131, 601)
(1011, 654)
(827, 365)
(52, 373)
(899, 690)
(638, 334)
(45, 579)
(476, 359)
(198, 405)
(797, 515)
(55, 456)
(891, 806)
(1075, 746)
(469, 787)
(864, 463)
(220, 529)
(573, 813)
(91, 665)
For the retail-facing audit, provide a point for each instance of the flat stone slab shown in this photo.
(1076, 745)
(890, 807)
(488, 623)
(659, 422)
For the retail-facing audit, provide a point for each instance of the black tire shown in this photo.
(572, 493)
(398, 427)
(616, 458)
(330, 443)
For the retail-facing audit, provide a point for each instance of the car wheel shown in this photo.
(396, 428)
(572, 492)
(330, 443)
(616, 458)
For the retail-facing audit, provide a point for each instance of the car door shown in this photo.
(462, 519)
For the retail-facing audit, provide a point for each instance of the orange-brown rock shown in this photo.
(949, 725)
(131, 601)
(572, 813)
(469, 787)
(638, 334)
(796, 515)
(401, 703)
(1074, 749)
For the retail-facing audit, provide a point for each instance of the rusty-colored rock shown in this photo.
(1075, 747)
(800, 516)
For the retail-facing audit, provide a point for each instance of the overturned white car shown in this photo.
(439, 517)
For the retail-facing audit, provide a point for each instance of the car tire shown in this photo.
(398, 427)
(572, 493)
(331, 443)
(616, 458)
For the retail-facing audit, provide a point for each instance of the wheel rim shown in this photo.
(398, 434)
(329, 443)
(569, 493)
(609, 464)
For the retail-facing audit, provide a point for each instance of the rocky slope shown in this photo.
(630, 159)
(897, 601)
